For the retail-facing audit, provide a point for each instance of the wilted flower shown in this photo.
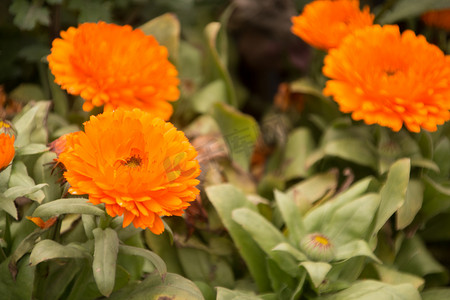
(41, 223)
(114, 66)
(325, 23)
(139, 166)
(388, 78)
(317, 247)
(7, 150)
(437, 18)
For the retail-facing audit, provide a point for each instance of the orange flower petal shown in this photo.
(7, 150)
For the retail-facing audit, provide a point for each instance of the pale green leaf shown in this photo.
(317, 271)
(412, 204)
(291, 216)
(48, 249)
(300, 145)
(105, 258)
(67, 206)
(147, 254)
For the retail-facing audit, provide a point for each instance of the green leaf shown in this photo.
(436, 294)
(317, 271)
(67, 206)
(225, 199)
(211, 32)
(59, 97)
(353, 249)
(226, 294)
(29, 121)
(240, 132)
(291, 216)
(375, 290)
(266, 236)
(392, 276)
(23, 248)
(27, 92)
(413, 257)
(105, 257)
(440, 157)
(162, 245)
(43, 173)
(207, 96)
(22, 286)
(286, 247)
(29, 14)
(353, 220)
(318, 217)
(412, 205)
(48, 249)
(149, 255)
(393, 192)
(8, 197)
(300, 145)
(404, 9)
(31, 149)
(92, 10)
(174, 287)
(351, 149)
(166, 30)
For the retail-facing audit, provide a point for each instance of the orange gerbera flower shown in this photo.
(385, 77)
(114, 66)
(325, 23)
(6, 149)
(438, 18)
(139, 166)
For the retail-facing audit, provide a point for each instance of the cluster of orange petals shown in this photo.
(6, 150)
(139, 166)
(438, 18)
(392, 79)
(325, 23)
(114, 66)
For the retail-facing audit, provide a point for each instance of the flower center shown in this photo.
(321, 240)
(133, 161)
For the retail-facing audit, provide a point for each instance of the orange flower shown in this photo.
(325, 23)
(114, 66)
(6, 150)
(385, 77)
(139, 166)
(438, 18)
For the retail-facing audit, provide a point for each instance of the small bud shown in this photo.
(317, 247)
(7, 128)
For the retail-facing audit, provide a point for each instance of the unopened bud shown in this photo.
(317, 247)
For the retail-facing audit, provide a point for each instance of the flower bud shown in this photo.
(317, 247)
(7, 128)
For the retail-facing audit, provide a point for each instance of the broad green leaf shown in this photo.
(149, 255)
(48, 249)
(413, 257)
(318, 217)
(317, 271)
(300, 145)
(225, 199)
(163, 246)
(199, 265)
(26, 244)
(211, 32)
(412, 205)
(393, 192)
(22, 184)
(173, 287)
(425, 163)
(351, 149)
(166, 30)
(291, 216)
(226, 294)
(105, 257)
(22, 286)
(8, 197)
(353, 249)
(436, 198)
(436, 294)
(392, 276)
(43, 173)
(353, 220)
(375, 290)
(89, 225)
(286, 247)
(212, 93)
(208, 292)
(60, 275)
(266, 236)
(404, 9)
(30, 120)
(31, 149)
(5, 175)
(282, 283)
(67, 206)
(240, 132)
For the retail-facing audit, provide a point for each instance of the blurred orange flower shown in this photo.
(139, 166)
(437, 18)
(325, 23)
(114, 66)
(384, 77)
(7, 150)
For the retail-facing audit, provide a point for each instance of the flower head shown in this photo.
(438, 18)
(388, 78)
(318, 247)
(325, 23)
(7, 150)
(114, 66)
(139, 166)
